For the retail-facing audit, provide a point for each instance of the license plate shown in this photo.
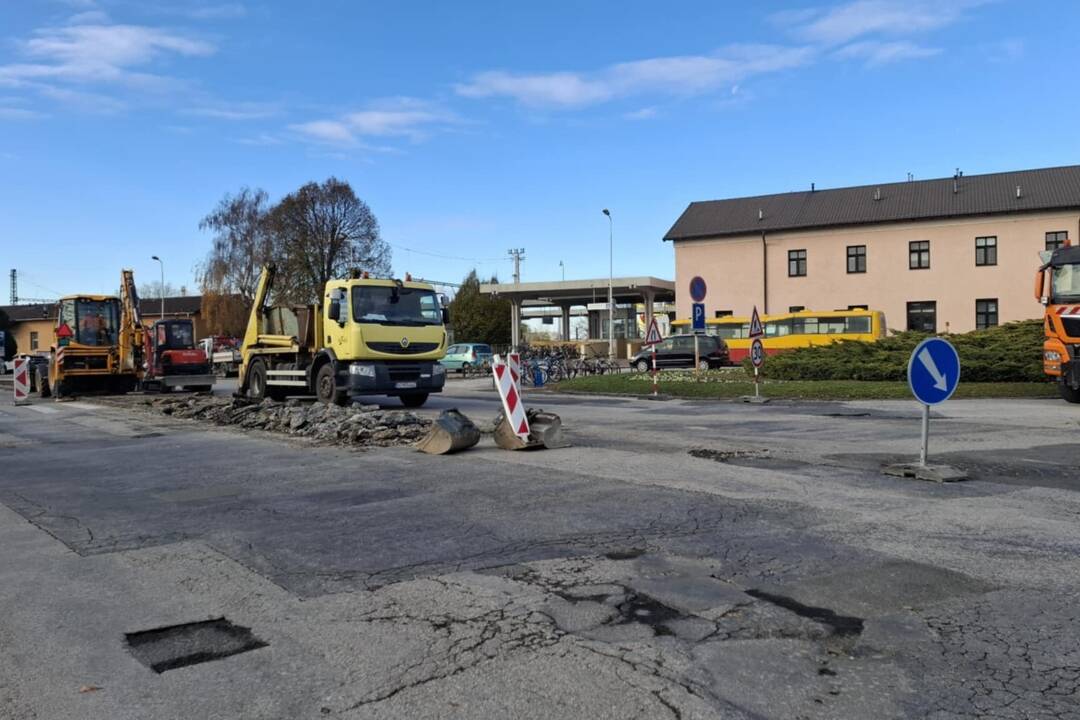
(405, 385)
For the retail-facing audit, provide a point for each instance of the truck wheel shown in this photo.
(1070, 394)
(414, 400)
(257, 381)
(326, 386)
(43, 385)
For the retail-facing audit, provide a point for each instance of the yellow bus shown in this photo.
(793, 330)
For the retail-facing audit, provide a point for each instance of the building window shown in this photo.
(33, 340)
(796, 308)
(1054, 240)
(723, 313)
(986, 313)
(922, 316)
(919, 254)
(796, 263)
(856, 258)
(986, 250)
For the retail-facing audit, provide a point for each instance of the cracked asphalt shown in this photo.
(682, 559)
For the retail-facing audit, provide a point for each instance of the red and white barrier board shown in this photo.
(511, 399)
(22, 381)
(514, 361)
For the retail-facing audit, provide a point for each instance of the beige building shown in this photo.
(945, 255)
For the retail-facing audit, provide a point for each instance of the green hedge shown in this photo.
(1008, 353)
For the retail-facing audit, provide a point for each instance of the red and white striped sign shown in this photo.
(22, 381)
(511, 399)
(1067, 310)
(514, 361)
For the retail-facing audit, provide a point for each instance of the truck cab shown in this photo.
(387, 336)
(1057, 287)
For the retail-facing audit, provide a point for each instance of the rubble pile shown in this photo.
(355, 425)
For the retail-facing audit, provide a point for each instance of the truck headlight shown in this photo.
(439, 369)
(1051, 356)
(362, 370)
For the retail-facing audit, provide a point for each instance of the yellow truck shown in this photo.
(1057, 287)
(367, 336)
(97, 344)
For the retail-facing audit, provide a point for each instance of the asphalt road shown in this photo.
(682, 559)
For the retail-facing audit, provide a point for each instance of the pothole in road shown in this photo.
(842, 625)
(727, 455)
(178, 646)
(625, 554)
(645, 610)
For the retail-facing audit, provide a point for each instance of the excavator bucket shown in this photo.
(545, 430)
(451, 432)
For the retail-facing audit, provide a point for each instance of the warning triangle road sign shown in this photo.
(653, 335)
(756, 330)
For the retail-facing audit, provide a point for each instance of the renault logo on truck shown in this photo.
(404, 342)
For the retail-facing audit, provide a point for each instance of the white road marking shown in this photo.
(42, 409)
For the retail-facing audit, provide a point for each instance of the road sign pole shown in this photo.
(655, 379)
(924, 446)
(696, 355)
(757, 388)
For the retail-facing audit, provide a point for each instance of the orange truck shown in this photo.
(1057, 287)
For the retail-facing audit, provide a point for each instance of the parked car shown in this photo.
(462, 354)
(678, 352)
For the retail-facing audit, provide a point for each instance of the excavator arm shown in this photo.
(130, 342)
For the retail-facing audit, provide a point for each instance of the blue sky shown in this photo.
(471, 128)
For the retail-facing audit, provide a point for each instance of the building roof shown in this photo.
(965, 195)
(624, 289)
(148, 307)
(181, 305)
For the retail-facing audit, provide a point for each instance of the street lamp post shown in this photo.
(610, 280)
(563, 268)
(162, 288)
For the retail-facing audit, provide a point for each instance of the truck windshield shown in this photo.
(395, 305)
(92, 322)
(1067, 282)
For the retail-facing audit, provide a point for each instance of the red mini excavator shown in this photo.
(173, 360)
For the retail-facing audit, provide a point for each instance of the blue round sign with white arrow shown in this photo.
(933, 371)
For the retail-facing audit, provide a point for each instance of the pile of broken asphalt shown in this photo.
(358, 425)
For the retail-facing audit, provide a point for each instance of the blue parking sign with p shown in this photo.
(698, 317)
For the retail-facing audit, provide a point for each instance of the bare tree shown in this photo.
(153, 290)
(242, 245)
(321, 231)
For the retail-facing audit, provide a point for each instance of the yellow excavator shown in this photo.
(97, 344)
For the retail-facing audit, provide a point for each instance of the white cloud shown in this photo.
(674, 75)
(327, 131)
(226, 11)
(262, 139)
(880, 53)
(234, 111)
(16, 113)
(645, 113)
(852, 20)
(90, 102)
(96, 53)
(397, 117)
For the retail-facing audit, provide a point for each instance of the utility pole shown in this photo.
(515, 307)
(14, 286)
(518, 254)
(610, 280)
(155, 257)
